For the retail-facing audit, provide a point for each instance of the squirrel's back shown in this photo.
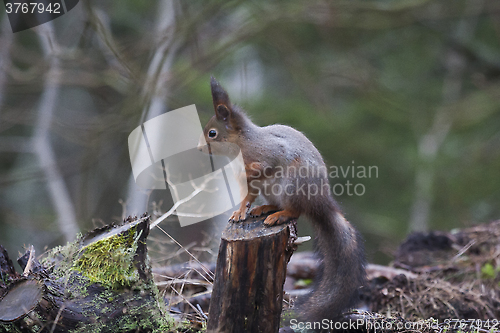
(338, 244)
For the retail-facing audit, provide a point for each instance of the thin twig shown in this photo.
(175, 206)
(206, 270)
(463, 250)
(101, 23)
(188, 302)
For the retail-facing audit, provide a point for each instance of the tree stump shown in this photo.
(100, 283)
(247, 292)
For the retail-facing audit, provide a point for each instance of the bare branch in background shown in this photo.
(41, 142)
(431, 142)
(6, 39)
(101, 24)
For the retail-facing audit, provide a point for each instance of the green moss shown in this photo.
(7, 327)
(143, 315)
(110, 261)
(59, 260)
(77, 285)
(488, 271)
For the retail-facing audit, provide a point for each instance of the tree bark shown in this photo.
(247, 293)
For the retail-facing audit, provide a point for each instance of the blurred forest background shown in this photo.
(409, 86)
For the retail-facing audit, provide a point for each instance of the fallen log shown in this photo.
(102, 282)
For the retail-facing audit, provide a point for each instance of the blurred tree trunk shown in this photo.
(42, 146)
(6, 39)
(431, 142)
(155, 90)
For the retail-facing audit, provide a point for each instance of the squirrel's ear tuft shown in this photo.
(222, 104)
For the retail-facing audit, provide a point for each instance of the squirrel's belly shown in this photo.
(272, 190)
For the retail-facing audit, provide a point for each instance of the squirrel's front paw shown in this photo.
(238, 215)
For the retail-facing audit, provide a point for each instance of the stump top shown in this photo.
(250, 229)
(20, 300)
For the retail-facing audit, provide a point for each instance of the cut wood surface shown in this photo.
(23, 297)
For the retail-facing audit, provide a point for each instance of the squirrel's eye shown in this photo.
(212, 134)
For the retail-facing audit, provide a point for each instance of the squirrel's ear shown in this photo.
(222, 104)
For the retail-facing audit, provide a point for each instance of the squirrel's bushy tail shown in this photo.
(342, 271)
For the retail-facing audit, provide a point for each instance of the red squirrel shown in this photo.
(287, 170)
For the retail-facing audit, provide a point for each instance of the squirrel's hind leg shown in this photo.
(280, 217)
(261, 210)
